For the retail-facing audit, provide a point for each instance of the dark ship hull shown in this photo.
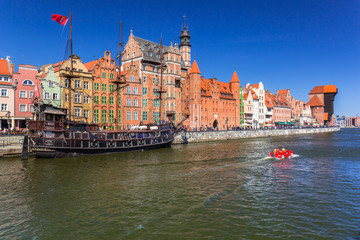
(52, 136)
(53, 152)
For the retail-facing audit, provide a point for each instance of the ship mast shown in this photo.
(71, 67)
(161, 91)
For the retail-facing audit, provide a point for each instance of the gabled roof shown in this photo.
(254, 95)
(315, 101)
(324, 89)
(90, 65)
(194, 68)
(27, 66)
(147, 46)
(4, 67)
(59, 63)
(254, 85)
(235, 78)
(205, 87)
(283, 92)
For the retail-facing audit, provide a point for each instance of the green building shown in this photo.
(242, 114)
(51, 90)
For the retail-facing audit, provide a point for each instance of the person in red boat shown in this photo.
(281, 154)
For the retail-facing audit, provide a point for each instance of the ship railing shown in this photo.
(45, 125)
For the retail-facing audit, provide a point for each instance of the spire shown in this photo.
(185, 35)
(194, 68)
(235, 78)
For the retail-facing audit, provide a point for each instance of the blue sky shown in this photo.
(295, 44)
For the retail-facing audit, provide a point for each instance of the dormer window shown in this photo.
(28, 82)
(150, 54)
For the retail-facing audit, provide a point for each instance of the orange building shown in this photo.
(211, 103)
(321, 101)
(106, 98)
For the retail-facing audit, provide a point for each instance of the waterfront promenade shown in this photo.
(11, 145)
(206, 136)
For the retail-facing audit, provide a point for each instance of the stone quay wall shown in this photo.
(206, 136)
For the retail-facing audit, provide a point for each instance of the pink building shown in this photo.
(27, 84)
(6, 94)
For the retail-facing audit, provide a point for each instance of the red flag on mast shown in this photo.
(60, 19)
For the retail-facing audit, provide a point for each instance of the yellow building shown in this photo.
(79, 97)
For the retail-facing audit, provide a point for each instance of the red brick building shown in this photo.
(321, 101)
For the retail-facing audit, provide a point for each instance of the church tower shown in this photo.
(185, 46)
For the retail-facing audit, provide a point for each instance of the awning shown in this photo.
(50, 110)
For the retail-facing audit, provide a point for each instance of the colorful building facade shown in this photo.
(7, 94)
(27, 86)
(51, 88)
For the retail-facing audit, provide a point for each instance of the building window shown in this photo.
(86, 113)
(132, 78)
(4, 107)
(128, 115)
(4, 92)
(156, 103)
(128, 90)
(156, 116)
(144, 79)
(119, 116)
(144, 68)
(67, 82)
(23, 108)
(135, 103)
(135, 115)
(86, 99)
(111, 100)
(22, 94)
(144, 91)
(55, 96)
(145, 116)
(153, 80)
(103, 87)
(135, 90)
(51, 84)
(103, 75)
(66, 97)
(77, 83)
(86, 85)
(77, 98)
(96, 115)
(96, 99)
(103, 116)
(28, 82)
(31, 94)
(103, 100)
(31, 108)
(150, 54)
(111, 76)
(77, 112)
(144, 102)
(111, 116)
(119, 101)
(111, 87)
(47, 95)
(128, 102)
(96, 86)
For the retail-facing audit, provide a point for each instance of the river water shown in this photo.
(218, 190)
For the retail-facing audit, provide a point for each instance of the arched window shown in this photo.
(28, 82)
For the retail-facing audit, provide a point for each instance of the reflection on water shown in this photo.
(206, 190)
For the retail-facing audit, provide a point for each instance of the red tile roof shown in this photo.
(27, 65)
(324, 89)
(90, 65)
(283, 92)
(315, 101)
(235, 78)
(58, 64)
(254, 95)
(205, 87)
(254, 85)
(4, 68)
(194, 68)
